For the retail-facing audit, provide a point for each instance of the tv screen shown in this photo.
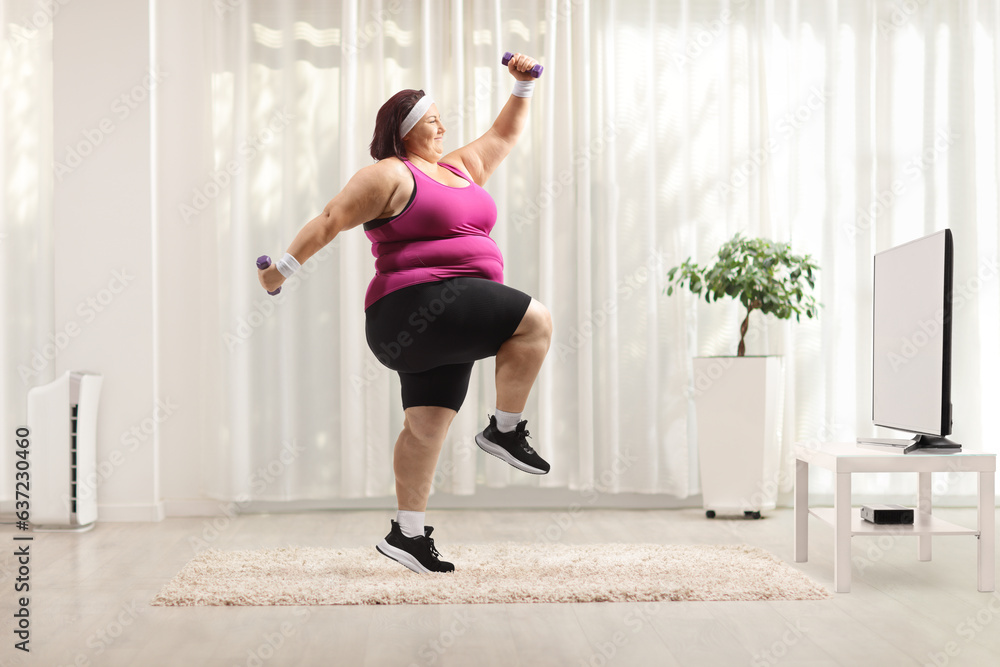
(911, 364)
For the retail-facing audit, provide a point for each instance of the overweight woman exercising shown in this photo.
(437, 302)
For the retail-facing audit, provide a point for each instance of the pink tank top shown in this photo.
(443, 232)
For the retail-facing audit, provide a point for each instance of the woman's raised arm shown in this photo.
(481, 157)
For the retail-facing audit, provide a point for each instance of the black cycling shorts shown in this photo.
(432, 333)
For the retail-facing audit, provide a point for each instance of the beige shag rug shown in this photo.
(489, 573)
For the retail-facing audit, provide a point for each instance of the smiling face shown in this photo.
(426, 139)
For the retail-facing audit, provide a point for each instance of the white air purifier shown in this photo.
(62, 416)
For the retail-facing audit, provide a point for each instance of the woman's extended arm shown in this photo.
(481, 157)
(365, 197)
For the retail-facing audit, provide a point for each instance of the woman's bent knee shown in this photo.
(545, 321)
(537, 322)
(428, 422)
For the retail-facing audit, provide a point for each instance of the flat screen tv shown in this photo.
(911, 344)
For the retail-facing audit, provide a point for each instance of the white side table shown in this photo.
(843, 459)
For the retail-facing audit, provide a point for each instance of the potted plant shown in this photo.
(738, 399)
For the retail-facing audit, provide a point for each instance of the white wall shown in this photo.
(188, 366)
(104, 273)
(117, 209)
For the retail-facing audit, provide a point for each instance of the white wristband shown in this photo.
(287, 266)
(523, 88)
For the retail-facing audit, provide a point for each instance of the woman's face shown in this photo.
(426, 139)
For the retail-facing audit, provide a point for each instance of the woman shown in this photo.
(437, 302)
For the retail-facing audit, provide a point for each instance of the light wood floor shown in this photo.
(90, 594)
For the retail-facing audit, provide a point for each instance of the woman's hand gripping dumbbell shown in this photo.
(269, 278)
(535, 71)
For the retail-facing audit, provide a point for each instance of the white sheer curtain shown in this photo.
(658, 130)
(26, 291)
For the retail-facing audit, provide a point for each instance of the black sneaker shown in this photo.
(512, 447)
(417, 553)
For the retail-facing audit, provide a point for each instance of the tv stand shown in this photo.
(920, 443)
(845, 459)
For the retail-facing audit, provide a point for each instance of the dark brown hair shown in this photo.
(386, 141)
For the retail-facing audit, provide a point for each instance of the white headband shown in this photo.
(416, 113)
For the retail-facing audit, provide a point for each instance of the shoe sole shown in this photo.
(401, 557)
(504, 455)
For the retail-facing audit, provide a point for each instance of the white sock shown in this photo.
(507, 421)
(411, 523)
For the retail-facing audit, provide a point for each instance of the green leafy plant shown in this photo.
(760, 274)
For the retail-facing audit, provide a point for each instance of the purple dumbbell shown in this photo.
(262, 263)
(535, 71)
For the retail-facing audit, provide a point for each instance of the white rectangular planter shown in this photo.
(738, 402)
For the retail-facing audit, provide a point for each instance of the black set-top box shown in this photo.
(887, 514)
